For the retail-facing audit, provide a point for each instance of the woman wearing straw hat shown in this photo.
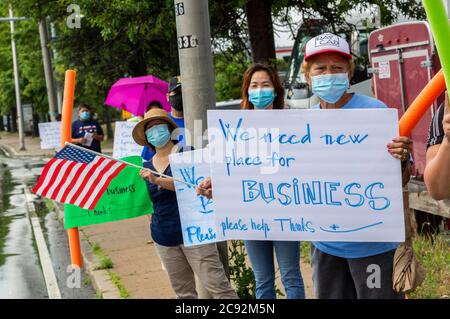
(180, 262)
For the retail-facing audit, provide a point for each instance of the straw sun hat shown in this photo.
(154, 114)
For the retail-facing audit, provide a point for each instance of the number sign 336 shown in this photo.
(187, 41)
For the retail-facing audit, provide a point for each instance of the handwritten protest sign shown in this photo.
(124, 145)
(196, 212)
(306, 174)
(126, 197)
(50, 134)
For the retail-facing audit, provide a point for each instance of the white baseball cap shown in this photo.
(327, 42)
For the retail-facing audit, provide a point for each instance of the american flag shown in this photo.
(77, 177)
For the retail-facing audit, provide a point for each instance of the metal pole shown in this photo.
(59, 99)
(196, 65)
(448, 8)
(17, 84)
(197, 80)
(48, 71)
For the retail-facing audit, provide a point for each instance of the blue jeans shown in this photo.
(288, 256)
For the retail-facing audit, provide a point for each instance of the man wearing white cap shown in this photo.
(344, 269)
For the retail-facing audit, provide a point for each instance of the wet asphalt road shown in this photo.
(21, 275)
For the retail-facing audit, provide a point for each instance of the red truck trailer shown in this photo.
(403, 59)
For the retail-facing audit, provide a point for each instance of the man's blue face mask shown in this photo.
(158, 135)
(84, 116)
(330, 87)
(261, 98)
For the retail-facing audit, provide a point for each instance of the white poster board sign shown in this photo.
(306, 175)
(124, 145)
(50, 135)
(197, 215)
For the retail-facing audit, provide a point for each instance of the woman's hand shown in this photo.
(400, 148)
(205, 188)
(147, 175)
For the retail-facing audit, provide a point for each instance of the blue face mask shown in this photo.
(330, 87)
(84, 116)
(261, 98)
(158, 135)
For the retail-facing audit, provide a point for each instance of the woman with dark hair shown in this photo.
(262, 90)
(180, 262)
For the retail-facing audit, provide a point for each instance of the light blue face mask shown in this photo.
(330, 87)
(84, 116)
(158, 135)
(261, 98)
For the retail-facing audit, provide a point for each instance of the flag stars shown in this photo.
(74, 154)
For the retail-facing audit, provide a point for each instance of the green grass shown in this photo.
(118, 282)
(98, 295)
(305, 251)
(104, 261)
(96, 248)
(50, 204)
(434, 255)
(87, 280)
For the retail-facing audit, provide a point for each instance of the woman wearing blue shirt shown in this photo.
(262, 90)
(180, 262)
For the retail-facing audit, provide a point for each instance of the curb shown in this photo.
(8, 150)
(101, 280)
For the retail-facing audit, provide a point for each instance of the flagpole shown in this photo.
(131, 164)
(66, 135)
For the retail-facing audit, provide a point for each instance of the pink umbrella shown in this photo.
(134, 94)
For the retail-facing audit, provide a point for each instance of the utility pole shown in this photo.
(59, 99)
(448, 8)
(196, 65)
(16, 82)
(197, 81)
(48, 70)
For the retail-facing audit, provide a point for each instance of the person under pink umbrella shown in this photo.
(175, 99)
(134, 94)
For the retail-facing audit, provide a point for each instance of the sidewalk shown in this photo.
(10, 141)
(125, 242)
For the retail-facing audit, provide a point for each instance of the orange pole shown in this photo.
(66, 136)
(422, 103)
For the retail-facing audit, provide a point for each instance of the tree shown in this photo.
(260, 29)
(7, 100)
(334, 12)
(229, 70)
(121, 38)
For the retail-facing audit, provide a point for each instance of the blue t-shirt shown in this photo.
(165, 226)
(80, 128)
(356, 249)
(148, 153)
